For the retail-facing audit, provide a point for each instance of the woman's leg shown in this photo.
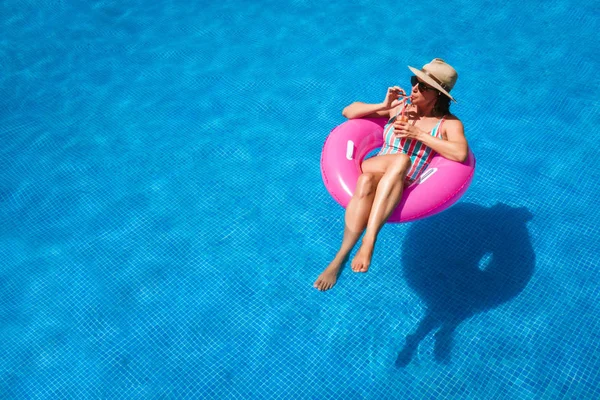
(387, 196)
(357, 216)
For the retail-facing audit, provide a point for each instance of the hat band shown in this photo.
(436, 80)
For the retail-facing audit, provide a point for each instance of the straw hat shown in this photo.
(438, 75)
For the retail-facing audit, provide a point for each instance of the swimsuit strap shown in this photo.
(439, 126)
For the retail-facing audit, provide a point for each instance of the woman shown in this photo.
(409, 144)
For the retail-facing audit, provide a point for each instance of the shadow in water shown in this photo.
(465, 260)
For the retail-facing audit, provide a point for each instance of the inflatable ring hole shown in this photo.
(372, 153)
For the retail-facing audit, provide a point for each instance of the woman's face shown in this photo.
(422, 94)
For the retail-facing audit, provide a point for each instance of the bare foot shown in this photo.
(328, 277)
(362, 259)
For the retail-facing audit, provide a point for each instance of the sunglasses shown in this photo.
(422, 86)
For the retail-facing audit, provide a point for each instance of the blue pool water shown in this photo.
(163, 216)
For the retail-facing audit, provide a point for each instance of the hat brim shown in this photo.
(427, 79)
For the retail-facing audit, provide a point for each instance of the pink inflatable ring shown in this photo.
(439, 186)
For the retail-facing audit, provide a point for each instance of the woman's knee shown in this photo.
(366, 185)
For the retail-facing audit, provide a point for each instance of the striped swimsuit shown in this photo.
(420, 155)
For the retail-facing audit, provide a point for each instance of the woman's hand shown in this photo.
(403, 129)
(393, 93)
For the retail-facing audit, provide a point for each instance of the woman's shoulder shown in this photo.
(451, 117)
(452, 127)
(453, 122)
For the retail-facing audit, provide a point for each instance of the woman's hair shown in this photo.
(442, 105)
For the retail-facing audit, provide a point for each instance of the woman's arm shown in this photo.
(364, 110)
(455, 148)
